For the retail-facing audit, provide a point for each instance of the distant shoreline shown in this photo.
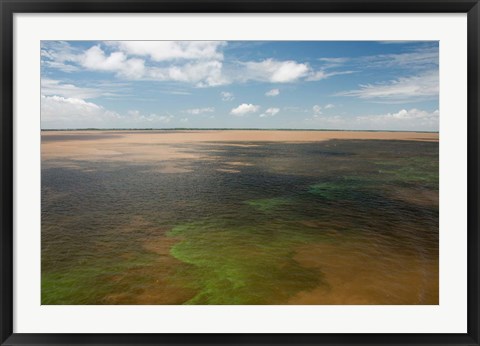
(148, 138)
(226, 129)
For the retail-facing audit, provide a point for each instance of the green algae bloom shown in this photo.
(269, 204)
(243, 264)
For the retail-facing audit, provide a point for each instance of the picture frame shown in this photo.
(8, 175)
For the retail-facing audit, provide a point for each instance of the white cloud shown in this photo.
(51, 87)
(59, 55)
(270, 112)
(95, 58)
(273, 92)
(176, 92)
(136, 118)
(63, 112)
(317, 110)
(411, 120)
(336, 61)
(227, 96)
(403, 120)
(203, 66)
(73, 111)
(274, 71)
(318, 75)
(194, 62)
(321, 74)
(423, 86)
(423, 58)
(172, 50)
(401, 115)
(196, 111)
(245, 108)
(203, 73)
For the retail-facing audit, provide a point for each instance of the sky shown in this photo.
(347, 85)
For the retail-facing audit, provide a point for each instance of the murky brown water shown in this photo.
(240, 217)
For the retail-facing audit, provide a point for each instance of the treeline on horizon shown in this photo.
(222, 129)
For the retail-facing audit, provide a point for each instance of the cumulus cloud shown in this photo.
(423, 86)
(273, 92)
(96, 59)
(172, 50)
(73, 111)
(67, 112)
(270, 112)
(227, 96)
(329, 106)
(245, 108)
(199, 68)
(193, 62)
(274, 71)
(202, 74)
(196, 111)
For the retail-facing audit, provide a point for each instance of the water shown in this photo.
(331, 222)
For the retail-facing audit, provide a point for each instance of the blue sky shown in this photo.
(350, 85)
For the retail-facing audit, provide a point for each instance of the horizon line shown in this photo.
(221, 129)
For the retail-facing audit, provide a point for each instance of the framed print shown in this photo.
(239, 172)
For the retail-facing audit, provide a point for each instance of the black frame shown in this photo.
(9, 7)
